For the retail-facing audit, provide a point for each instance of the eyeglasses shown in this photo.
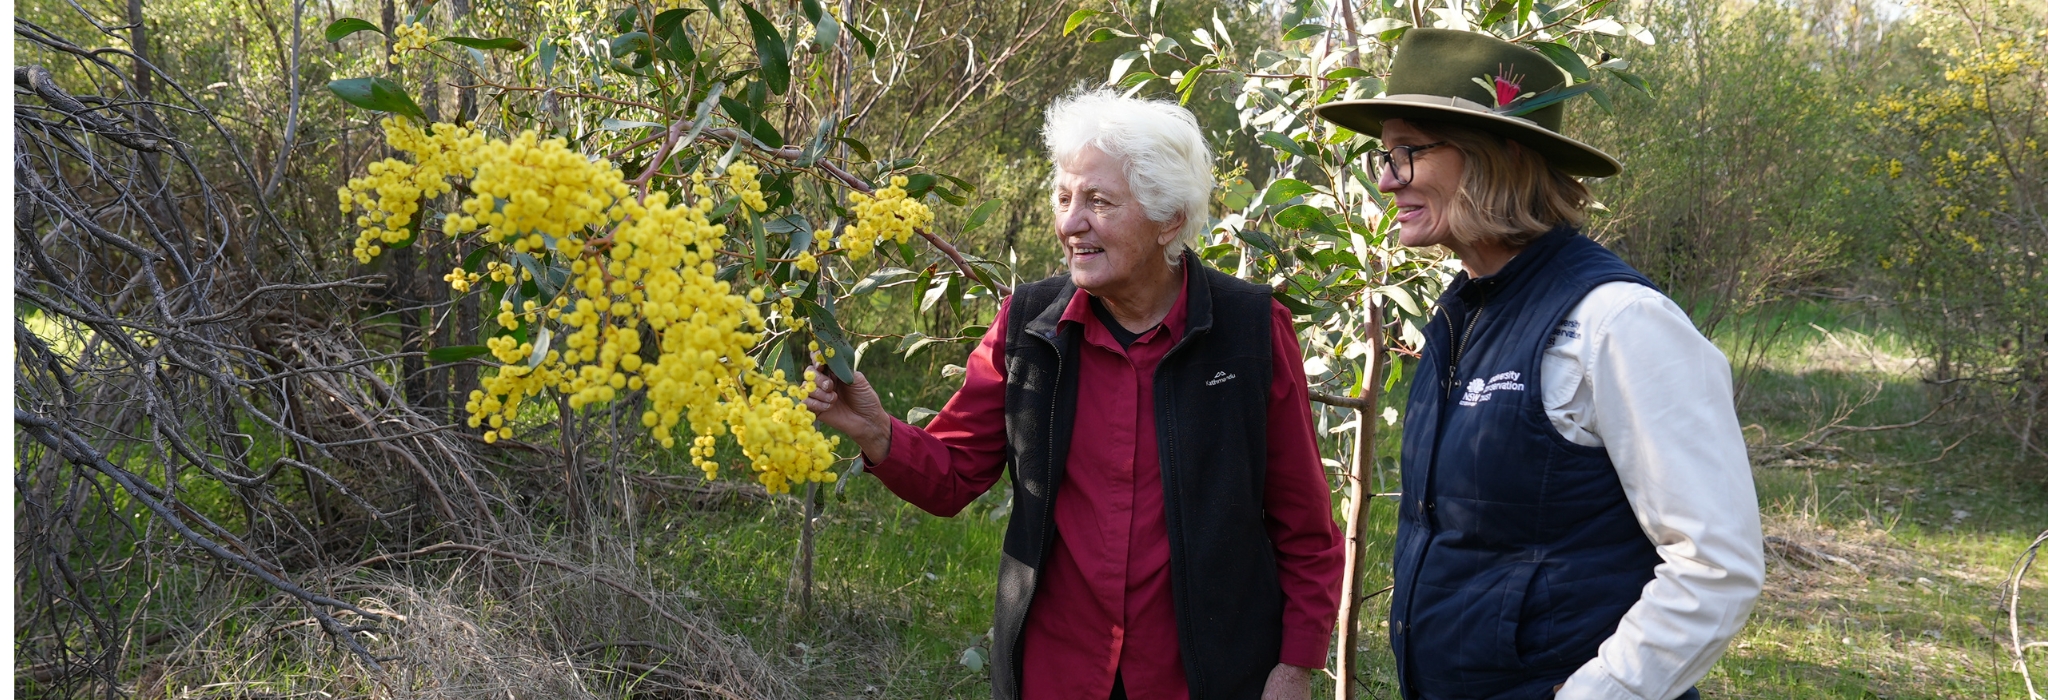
(1400, 158)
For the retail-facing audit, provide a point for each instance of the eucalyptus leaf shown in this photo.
(376, 94)
(1283, 143)
(769, 47)
(456, 353)
(1074, 20)
(497, 44)
(342, 28)
(1304, 31)
(1565, 58)
(1285, 189)
(981, 214)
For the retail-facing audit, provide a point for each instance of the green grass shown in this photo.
(901, 594)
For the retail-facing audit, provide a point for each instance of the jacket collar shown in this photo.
(1473, 291)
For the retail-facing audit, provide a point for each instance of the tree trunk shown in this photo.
(1358, 511)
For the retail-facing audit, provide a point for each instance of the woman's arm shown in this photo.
(1305, 539)
(945, 466)
(1663, 403)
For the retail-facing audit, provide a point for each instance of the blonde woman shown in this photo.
(1577, 516)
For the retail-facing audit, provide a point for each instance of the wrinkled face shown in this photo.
(1431, 187)
(1107, 238)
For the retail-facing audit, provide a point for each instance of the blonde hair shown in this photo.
(1510, 195)
(1165, 160)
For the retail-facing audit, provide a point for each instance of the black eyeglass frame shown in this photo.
(1383, 158)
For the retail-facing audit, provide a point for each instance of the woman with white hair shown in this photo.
(1171, 535)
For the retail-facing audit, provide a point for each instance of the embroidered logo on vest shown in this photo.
(1481, 390)
(1220, 378)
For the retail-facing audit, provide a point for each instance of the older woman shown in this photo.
(1171, 535)
(1578, 517)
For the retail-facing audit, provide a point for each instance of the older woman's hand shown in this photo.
(852, 408)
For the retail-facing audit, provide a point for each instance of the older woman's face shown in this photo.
(1430, 189)
(1108, 240)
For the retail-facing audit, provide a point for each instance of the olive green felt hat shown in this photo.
(1477, 81)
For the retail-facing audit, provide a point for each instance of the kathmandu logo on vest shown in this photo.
(1481, 390)
(1220, 378)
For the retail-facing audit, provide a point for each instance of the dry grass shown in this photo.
(474, 627)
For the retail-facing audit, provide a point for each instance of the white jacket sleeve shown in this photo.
(1632, 373)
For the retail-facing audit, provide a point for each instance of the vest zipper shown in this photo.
(1458, 353)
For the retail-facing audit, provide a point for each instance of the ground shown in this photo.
(1888, 549)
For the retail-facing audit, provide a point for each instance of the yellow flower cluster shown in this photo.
(744, 178)
(890, 215)
(409, 37)
(642, 309)
(400, 187)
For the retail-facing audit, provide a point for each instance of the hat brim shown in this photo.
(1567, 154)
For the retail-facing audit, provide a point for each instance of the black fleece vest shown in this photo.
(1210, 403)
(1518, 551)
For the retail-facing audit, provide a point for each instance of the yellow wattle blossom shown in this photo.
(642, 309)
(890, 215)
(409, 37)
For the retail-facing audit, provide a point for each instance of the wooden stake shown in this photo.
(1358, 512)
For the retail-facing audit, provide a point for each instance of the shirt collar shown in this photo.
(1077, 310)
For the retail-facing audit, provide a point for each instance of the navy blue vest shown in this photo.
(1517, 552)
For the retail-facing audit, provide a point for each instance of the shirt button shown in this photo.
(1429, 504)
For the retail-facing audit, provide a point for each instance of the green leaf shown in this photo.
(1122, 65)
(974, 659)
(828, 33)
(760, 243)
(768, 45)
(812, 10)
(1347, 73)
(668, 21)
(934, 293)
(1295, 305)
(631, 42)
(376, 94)
(1283, 143)
(342, 28)
(875, 280)
(1632, 79)
(1500, 11)
(456, 353)
(1565, 58)
(867, 45)
(1136, 79)
(1404, 299)
(1074, 20)
(825, 327)
(859, 149)
(1304, 31)
(497, 44)
(613, 124)
(965, 186)
(1259, 239)
(547, 53)
(713, 6)
(1305, 217)
(1285, 189)
(1388, 29)
(981, 214)
(920, 184)
(1599, 95)
(1106, 34)
(625, 19)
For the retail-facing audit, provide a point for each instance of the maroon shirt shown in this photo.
(1105, 592)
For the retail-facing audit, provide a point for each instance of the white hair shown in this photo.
(1166, 162)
